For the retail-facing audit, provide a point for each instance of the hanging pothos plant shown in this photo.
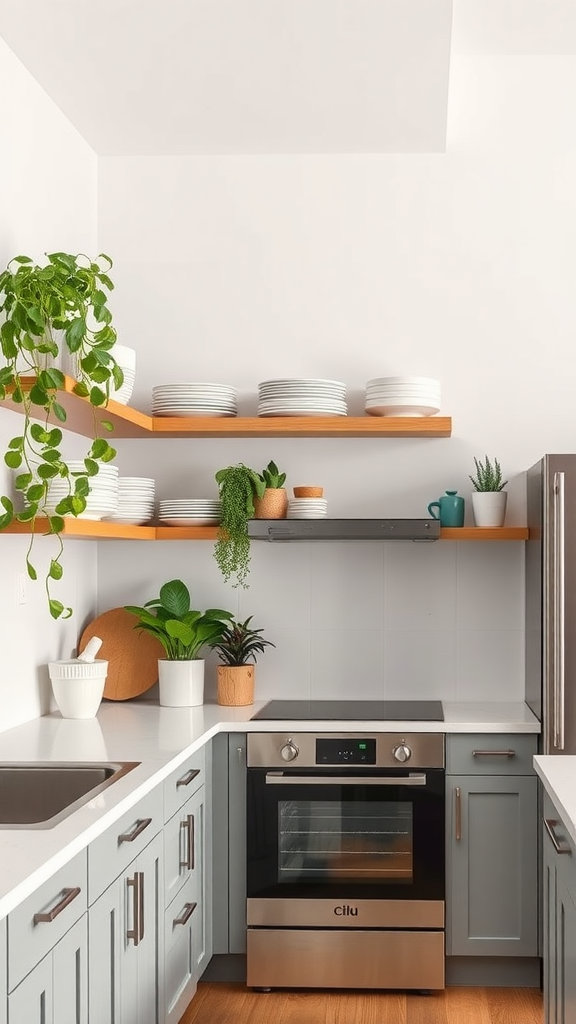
(45, 310)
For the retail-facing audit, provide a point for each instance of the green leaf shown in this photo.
(81, 389)
(51, 378)
(6, 375)
(27, 514)
(39, 396)
(13, 459)
(35, 493)
(107, 425)
(22, 481)
(38, 433)
(5, 520)
(51, 455)
(97, 396)
(17, 443)
(59, 412)
(21, 259)
(55, 571)
(56, 524)
(82, 487)
(92, 467)
(56, 608)
(45, 471)
(175, 597)
(99, 447)
(75, 333)
(109, 455)
(7, 504)
(54, 437)
(31, 570)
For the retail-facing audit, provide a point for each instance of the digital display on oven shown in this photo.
(343, 750)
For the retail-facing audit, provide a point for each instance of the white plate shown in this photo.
(430, 381)
(187, 521)
(402, 410)
(300, 412)
(312, 381)
(190, 412)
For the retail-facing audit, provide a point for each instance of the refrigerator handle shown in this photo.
(558, 627)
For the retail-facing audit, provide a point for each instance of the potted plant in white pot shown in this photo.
(46, 312)
(488, 497)
(183, 632)
(237, 648)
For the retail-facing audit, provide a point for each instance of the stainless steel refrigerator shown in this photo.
(551, 601)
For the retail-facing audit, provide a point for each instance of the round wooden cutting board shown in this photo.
(132, 655)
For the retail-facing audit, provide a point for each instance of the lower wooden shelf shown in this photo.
(90, 529)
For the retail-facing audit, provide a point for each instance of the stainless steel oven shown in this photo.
(345, 860)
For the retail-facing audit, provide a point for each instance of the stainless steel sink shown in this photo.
(41, 794)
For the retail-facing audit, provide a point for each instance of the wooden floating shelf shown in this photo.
(89, 529)
(128, 422)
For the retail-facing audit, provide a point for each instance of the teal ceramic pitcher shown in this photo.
(450, 509)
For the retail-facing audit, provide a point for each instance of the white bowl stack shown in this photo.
(307, 508)
(102, 500)
(402, 396)
(302, 397)
(135, 500)
(194, 400)
(189, 512)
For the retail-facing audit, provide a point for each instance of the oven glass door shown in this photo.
(316, 832)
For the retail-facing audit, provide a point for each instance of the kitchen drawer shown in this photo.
(184, 782)
(180, 953)
(113, 851)
(29, 939)
(491, 754)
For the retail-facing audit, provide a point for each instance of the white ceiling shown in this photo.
(241, 76)
(143, 77)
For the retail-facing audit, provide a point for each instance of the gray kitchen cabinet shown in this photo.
(3, 974)
(492, 840)
(229, 860)
(188, 881)
(559, 919)
(125, 917)
(56, 990)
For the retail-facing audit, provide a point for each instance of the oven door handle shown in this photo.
(284, 779)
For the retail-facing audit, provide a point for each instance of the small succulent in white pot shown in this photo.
(489, 498)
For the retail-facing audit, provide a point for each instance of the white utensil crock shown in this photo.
(78, 686)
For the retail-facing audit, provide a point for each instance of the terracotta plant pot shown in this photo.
(273, 504)
(235, 685)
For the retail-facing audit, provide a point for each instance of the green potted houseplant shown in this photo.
(44, 312)
(237, 648)
(183, 633)
(274, 502)
(241, 489)
(488, 497)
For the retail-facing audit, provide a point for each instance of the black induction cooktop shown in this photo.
(352, 710)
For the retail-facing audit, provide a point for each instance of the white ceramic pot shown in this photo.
(78, 686)
(489, 507)
(181, 683)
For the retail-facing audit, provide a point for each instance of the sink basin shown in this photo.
(41, 794)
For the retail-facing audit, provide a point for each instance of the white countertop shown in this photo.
(161, 739)
(558, 775)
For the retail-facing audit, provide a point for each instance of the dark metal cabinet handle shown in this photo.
(188, 826)
(129, 837)
(187, 779)
(560, 845)
(493, 753)
(186, 914)
(458, 813)
(67, 896)
(134, 933)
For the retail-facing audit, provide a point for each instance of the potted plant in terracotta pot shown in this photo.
(237, 648)
(47, 312)
(183, 632)
(488, 497)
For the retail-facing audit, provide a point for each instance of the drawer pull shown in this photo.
(560, 845)
(67, 896)
(187, 779)
(458, 813)
(135, 933)
(188, 826)
(186, 914)
(493, 753)
(129, 837)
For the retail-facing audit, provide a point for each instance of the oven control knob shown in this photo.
(289, 752)
(402, 752)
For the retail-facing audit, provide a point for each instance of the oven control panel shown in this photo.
(345, 750)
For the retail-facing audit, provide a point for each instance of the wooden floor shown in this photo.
(220, 1003)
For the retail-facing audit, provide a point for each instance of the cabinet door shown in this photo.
(32, 1001)
(549, 859)
(180, 953)
(70, 975)
(565, 952)
(3, 974)
(237, 842)
(492, 887)
(126, 944)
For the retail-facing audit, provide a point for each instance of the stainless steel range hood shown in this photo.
(344, 529)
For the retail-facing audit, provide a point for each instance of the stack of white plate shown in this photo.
(126, 359)
(189, 512)
(103, 497)
(193, 400)
(307, 508)
(135, 500)
(403, 396)
(301, 397)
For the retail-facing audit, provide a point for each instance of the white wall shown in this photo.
(48, 183)
(460, 266)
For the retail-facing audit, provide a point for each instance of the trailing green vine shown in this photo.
(238, 485)
(62, 305)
